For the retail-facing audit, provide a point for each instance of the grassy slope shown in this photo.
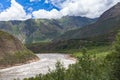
(99, 51)
(13, 52)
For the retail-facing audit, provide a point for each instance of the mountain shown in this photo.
(74, 22)
(39, 30)
(12, 52)
(102, 30)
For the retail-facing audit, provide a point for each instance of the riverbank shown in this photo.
(27, 62)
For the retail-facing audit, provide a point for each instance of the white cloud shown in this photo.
(86, 8)
(47, 14)
(46, 1)
(15, 12)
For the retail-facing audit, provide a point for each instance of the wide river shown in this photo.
(46, 62)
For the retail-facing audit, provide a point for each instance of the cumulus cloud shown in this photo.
(85, 8)
(47, 14)
(14, 12)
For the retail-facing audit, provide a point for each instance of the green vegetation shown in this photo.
(114, 57)
(67, 46)
(99, 51)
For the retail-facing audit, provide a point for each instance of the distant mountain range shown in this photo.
(103, 29)
(41, 30)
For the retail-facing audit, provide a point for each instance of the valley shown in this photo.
(87, 48)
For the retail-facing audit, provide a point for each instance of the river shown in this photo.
(42, 66)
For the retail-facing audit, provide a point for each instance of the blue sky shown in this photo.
(36, 5)
(52, 9)
(4, 4)
(29, 5)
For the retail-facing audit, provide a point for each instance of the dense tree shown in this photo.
(116, 58)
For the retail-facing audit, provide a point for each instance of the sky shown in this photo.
(52, 9)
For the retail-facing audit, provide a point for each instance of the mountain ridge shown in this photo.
(36, 30)
(110, 13)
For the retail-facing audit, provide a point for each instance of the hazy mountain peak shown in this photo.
(118, 4)
(112, 12)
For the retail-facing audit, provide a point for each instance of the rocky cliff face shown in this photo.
(12, 52)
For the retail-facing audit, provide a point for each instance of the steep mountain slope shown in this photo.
(104, 29)
(12, 52)
(32, 30)
(111, 13)
(73, 22)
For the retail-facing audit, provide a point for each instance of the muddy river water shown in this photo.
(42, 66)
